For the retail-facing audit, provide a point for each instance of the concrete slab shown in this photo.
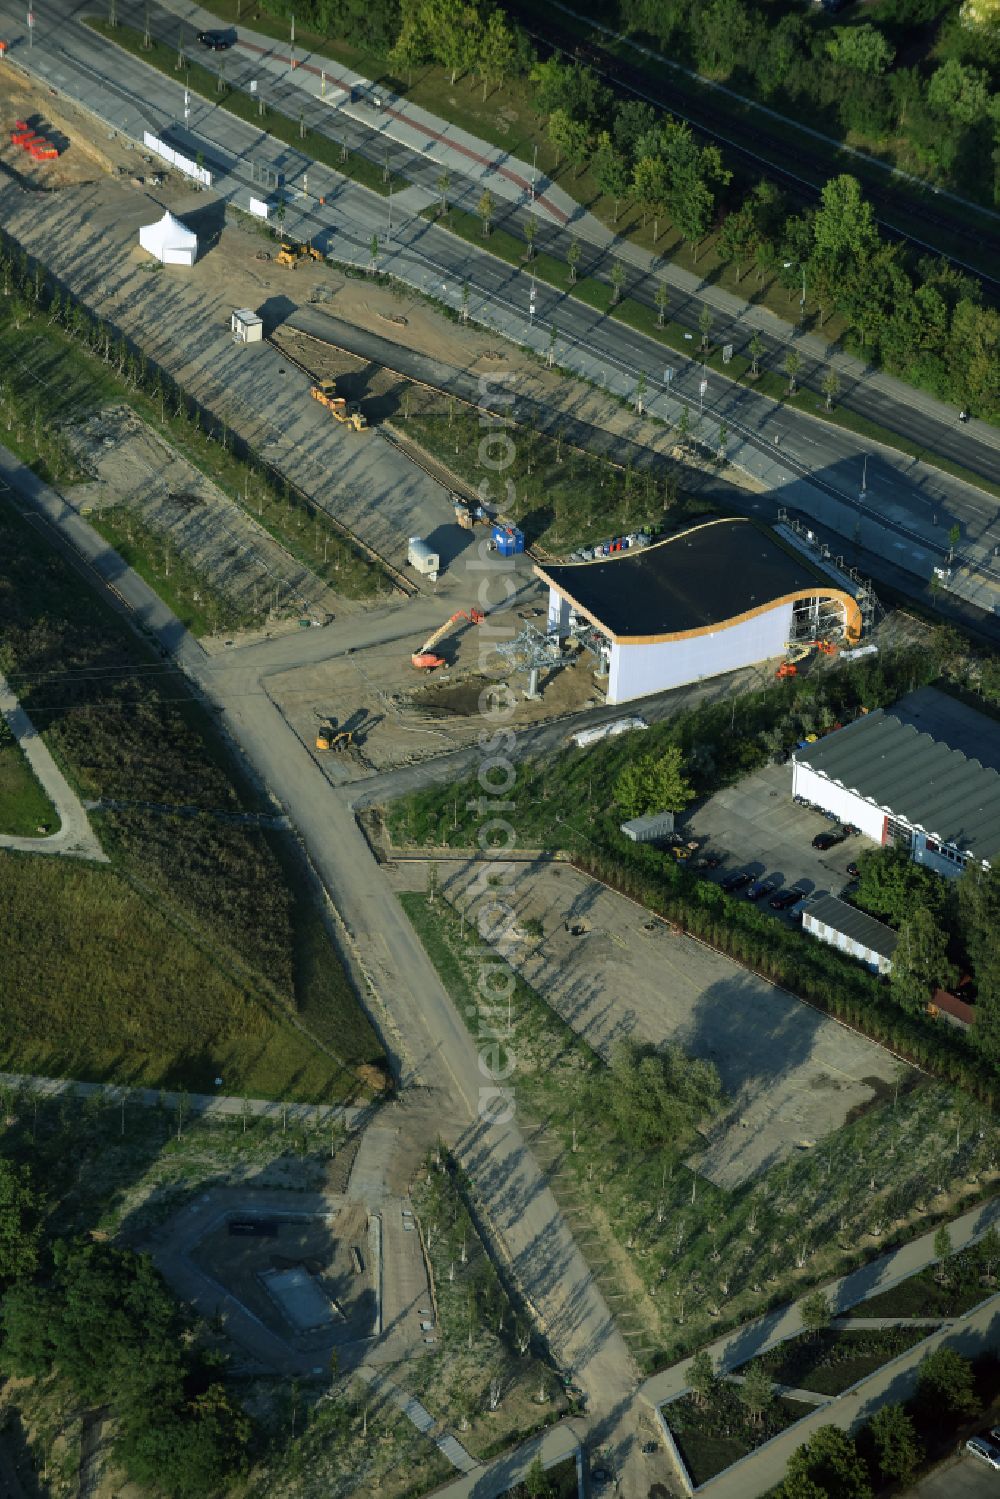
(792, 1074)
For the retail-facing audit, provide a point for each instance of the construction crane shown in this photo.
(425, 659)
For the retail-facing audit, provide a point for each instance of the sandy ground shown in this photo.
(400, 715)
(87, 232)
(792, 1075)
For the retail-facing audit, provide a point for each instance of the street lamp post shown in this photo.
(534, 173)
(787, 265)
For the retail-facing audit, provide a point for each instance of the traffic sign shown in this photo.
(703, 386)
(727, 353)
(253, 85)
(668, 374)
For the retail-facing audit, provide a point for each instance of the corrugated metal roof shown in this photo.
(858, 925)
(918, 776)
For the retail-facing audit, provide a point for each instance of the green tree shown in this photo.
(536, 1484)
(891, 885)
(738, 239)
(569, 136)
(897, 1449)
(945, 1385)
(485, 210)
(650, 187)
(705, 318)
(453, 30)
(755, 349)
(610, 169)
(863, 49)
(793, 363)
(662, 299)
(756, 1393)
(845, 235)
(694, 175)
(657, 1095)
(20, 1223)
(962, 93)
(497, 51)
(827, 1464)
(617, 279)
(702, 1378)
(942, 1253)
(920, 963)
(443, 183)
(530, 230)
(573, 254)
(654, 783)
(816, 1313)
(830, 387)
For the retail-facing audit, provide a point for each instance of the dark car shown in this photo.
(823, 841)
(784, 899)
(760, 888)
(218, 41)
(736, 882)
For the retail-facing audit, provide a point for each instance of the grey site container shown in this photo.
(649, 829)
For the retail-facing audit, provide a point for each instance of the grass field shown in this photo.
(201, 952)
(562, 497)
(712, 1440)
(683, 1259)
(24, 807)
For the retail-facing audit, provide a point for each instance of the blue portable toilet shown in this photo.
(508, 540)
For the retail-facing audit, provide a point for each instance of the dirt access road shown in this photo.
(429, 1046)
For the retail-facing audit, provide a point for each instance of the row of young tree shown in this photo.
(868, 79)
(103, 1319)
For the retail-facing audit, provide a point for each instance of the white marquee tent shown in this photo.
(170, 241)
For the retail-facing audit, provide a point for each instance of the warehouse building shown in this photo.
(723, 595)
(852, 931)
(923, 775)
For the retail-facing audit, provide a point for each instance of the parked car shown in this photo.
(784, 899)
(824, 841)
(217, 41)
(760, 888)
(986, 1451)
(734, 882)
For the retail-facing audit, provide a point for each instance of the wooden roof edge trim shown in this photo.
(852, 627)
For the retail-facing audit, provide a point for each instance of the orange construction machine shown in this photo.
(425, 659)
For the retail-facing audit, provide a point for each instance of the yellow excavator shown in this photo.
(329, 738)
(425, 659)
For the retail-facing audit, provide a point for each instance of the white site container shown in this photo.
(423, 558)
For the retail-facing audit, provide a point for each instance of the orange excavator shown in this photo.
(425, 659)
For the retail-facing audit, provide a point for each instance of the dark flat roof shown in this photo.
(716, 572)
(929, 760)
(858, 925)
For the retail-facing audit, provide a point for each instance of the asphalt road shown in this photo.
(797, 456)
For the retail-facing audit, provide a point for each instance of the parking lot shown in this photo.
(756, 826)
(967, 1478)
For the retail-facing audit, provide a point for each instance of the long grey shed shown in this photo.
(930, 760)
